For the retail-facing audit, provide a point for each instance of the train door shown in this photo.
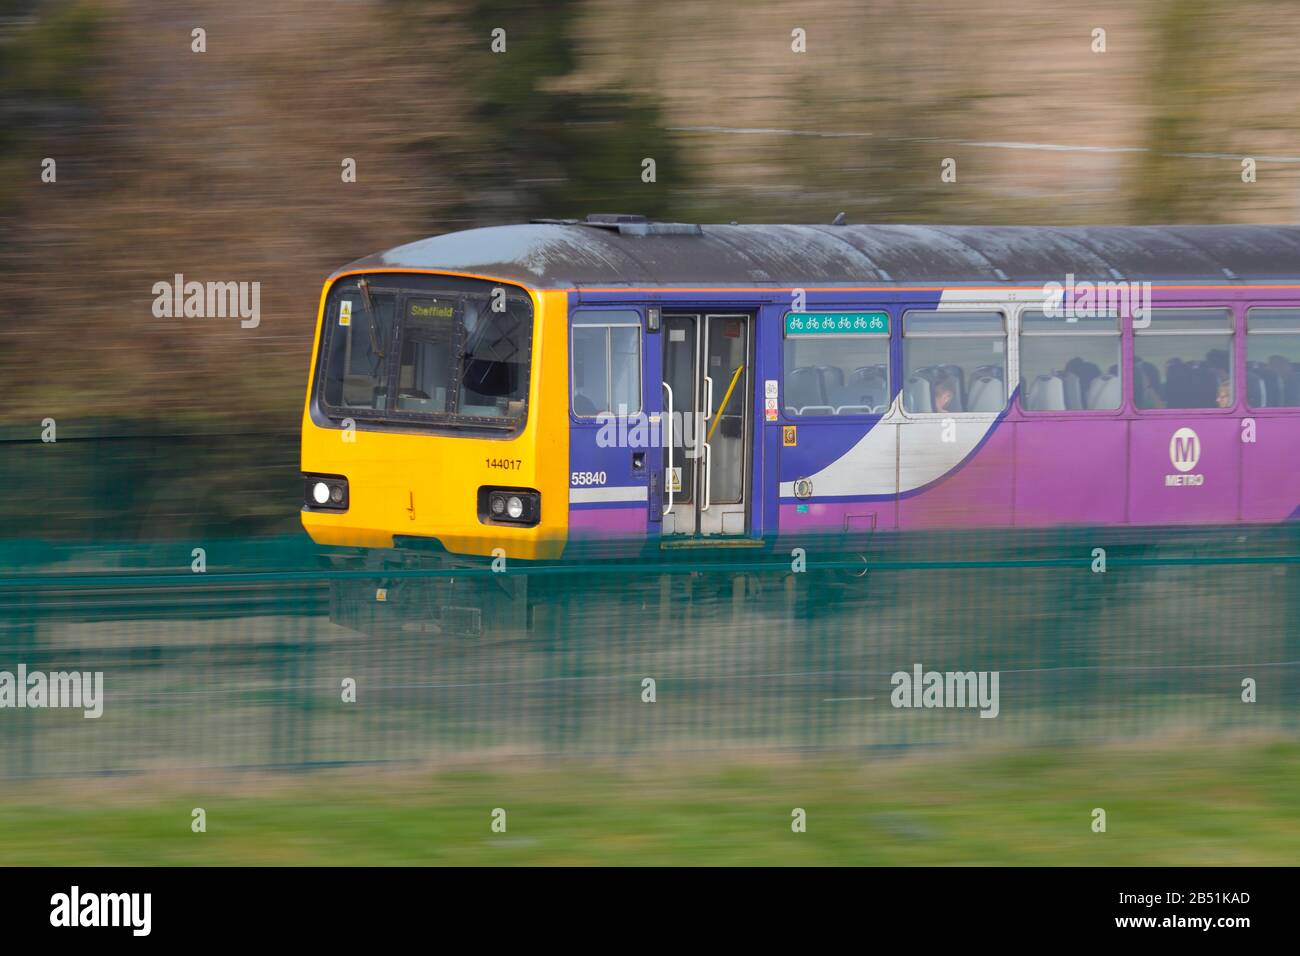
(609, 455)
(707, 363)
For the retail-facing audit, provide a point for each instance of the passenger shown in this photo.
(1085, 371)
(1204, 382)
(1178, 385)
(945, 390)
(1148, 386)
(1223, 395)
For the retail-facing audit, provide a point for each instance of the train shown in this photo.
(527, 390)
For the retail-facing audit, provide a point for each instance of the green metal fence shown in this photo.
(245, 665)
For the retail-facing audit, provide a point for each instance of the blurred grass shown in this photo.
(1185, 803)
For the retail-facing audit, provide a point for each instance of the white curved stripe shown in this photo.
(899, 454)
(902, 454)
(608, 493)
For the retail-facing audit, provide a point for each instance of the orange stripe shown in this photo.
(862, 288)
(435, 272)
(910, 288)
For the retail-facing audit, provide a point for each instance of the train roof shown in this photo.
(629, 251)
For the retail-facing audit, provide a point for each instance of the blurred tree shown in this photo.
(541, 146)
(47, 51)
(1187, 73)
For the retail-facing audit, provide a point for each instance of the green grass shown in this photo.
(1178, 804)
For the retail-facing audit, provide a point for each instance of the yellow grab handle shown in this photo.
(725, 398)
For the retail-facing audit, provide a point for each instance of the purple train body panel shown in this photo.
(891, 468)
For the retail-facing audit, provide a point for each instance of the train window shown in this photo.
(836, 375)
(605, 363)
(1183, 359)
(954, 362)
(1273, 358)
(428, 348)
(494, 359)
(356, 372)
(448, 357)
(1069, 363)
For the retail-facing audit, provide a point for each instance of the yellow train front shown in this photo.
(426, 418)
(428, 440)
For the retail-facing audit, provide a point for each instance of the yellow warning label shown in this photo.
(789, 435)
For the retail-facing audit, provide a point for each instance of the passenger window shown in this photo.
(1069, 363)
(1183, 359)
(605, 364)
(1273, 358)
(829, 370)
(954, 362)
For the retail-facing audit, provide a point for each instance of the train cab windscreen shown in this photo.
(426, 349)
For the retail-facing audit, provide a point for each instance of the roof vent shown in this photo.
(633, 225)
(626, 224)
(612, 218)
(659, 229)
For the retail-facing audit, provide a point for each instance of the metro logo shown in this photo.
(1184, 449)
(1184, 453)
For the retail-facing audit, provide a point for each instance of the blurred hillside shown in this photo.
(225, 165)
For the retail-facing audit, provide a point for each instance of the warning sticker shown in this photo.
(675, 480)
(790, 435)
(770, 389)
(770, 409)
(345, 312)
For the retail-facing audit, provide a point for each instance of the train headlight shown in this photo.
(326, 492)
(517, 506)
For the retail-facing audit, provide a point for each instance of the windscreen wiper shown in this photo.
(378, 352)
